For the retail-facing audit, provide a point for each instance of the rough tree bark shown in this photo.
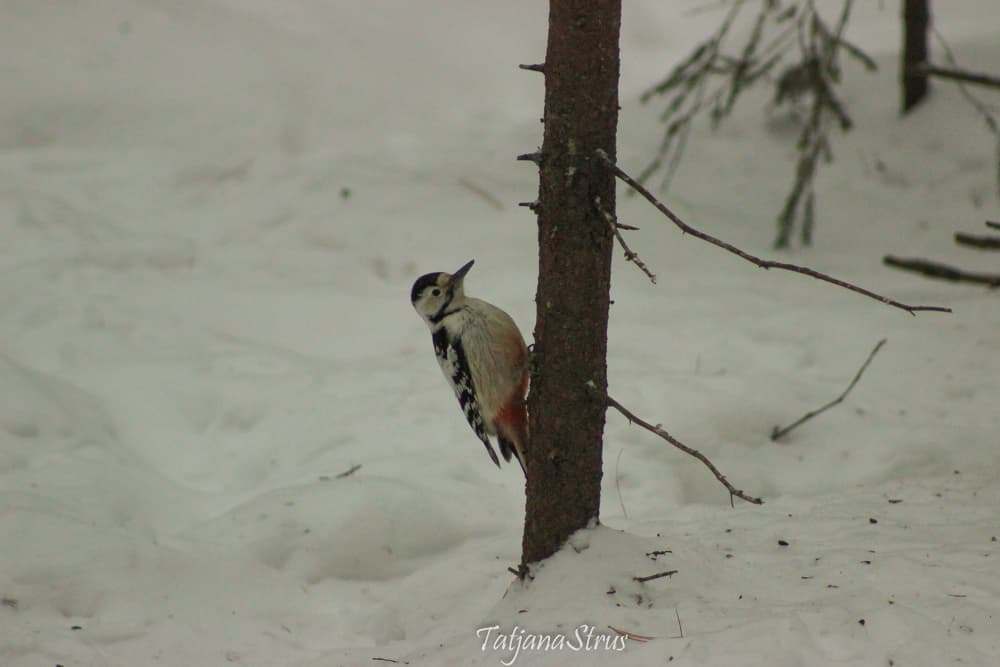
(916, 25)
(572, 301)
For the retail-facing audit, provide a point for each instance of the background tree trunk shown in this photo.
(916, 25)
(575, 244)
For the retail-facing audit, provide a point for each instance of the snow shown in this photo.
(212, 214)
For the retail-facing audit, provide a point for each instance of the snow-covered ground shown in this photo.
(212, 212)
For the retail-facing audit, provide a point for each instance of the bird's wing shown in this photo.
(456, 369)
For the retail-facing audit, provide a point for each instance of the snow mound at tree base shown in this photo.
(905, 572)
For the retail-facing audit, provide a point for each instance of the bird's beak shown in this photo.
(456, 278)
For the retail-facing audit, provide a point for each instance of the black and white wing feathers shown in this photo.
(455, 366)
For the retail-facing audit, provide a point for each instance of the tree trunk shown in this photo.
(916, 23)
(574, 277)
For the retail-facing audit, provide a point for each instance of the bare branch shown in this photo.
(941, 271)
(981, 242)
(520, 572)
(658, 430)
(714, 76)
(762, 263)
(954, 74)
(689, 87)
(993, 225)
(537, 67)
(629, 255)
(859, 55)
(779, 432)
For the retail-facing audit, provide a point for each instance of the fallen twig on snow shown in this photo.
(779, 432)
(762, 263)
(631, 635)
(658, 575)
(350, 471)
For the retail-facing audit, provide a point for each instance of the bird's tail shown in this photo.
(512, 432)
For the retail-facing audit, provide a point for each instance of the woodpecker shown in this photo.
(483, 357)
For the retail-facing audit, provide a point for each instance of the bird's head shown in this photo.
(434, 293)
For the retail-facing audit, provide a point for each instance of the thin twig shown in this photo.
(658, 430)
(629, 255)
(779, 432)
(984, 110)
(680, 627)
(707, 8)
(350, 471)
(762, 263)
(658, 575)
(642, 639)
(981, 242)
(818, 75)
(689, 92)
(941, 271)
(482, 193)
(993, 225)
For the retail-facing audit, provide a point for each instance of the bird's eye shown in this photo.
(436, 292)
